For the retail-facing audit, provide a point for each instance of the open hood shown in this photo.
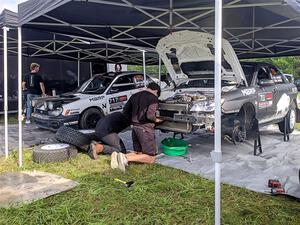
(190, 54)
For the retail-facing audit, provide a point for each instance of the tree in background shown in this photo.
(290, 65)
(150, 70)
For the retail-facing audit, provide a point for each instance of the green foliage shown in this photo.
(150, 70)
(160, 195)
(290, 65)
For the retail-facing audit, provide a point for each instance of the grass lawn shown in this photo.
(160, 195)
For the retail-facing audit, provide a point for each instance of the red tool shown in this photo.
(277, 191)
(276, 187)
(274, 183)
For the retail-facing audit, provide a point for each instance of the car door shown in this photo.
(120, 91)
(281, 94)
(265, 94)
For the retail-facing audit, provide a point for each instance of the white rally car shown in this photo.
(97, 97)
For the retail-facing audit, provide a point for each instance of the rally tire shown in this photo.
(291, 120)
(57, 152)
(73, 137)
(89, 118)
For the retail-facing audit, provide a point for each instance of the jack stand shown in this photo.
(257, 145)
(256, 136)
(175, 133)
(286, 135)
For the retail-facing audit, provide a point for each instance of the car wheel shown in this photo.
(90, 118)
(73, 137)
(53, 153)
(291, 120)
(243, 128)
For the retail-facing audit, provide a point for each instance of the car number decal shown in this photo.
(117, 103)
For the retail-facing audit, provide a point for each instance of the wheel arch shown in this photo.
(91, 107)
(247, 110)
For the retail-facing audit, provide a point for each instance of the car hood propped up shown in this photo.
(190, 54)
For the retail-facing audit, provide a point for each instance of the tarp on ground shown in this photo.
(255, 28)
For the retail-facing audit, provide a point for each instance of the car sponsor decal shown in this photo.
(265, 100)
(117, 99)
(249, 91)
(97, 98)
(283, 104)
(117, 103)
(294, 90)
(265, 104)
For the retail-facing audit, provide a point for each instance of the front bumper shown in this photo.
(54, 122)
(180, 114)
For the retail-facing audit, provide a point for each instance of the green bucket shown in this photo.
(174, 147)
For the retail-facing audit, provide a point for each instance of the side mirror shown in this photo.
(266, 82)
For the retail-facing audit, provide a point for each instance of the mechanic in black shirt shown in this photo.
(141, 108)
(34, 85)
(106, 131)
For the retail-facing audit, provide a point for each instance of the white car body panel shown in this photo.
(191, 46)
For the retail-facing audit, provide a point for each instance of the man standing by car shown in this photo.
(142, 108)
(34, 84)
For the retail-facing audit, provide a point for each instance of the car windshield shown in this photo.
(204, 83)
(97, 85)
(248, 71)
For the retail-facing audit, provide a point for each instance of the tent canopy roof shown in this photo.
(255, 28)
(8, 18)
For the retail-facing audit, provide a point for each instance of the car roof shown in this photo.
(256, 64)
(115, 74)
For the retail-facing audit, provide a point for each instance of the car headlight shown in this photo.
(205, 106)
(50, 105)
(56, 112)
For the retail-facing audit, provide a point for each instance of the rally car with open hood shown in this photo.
(249, 90)
(99, 96)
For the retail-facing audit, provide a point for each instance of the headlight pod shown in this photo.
(50, 105)
(56, 112)
(203, 106)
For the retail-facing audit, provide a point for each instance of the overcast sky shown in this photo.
(10, 4)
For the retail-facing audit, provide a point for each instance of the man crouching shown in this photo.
(142, 108)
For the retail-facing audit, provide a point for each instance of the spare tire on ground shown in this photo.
(57, 152)
(73, 137)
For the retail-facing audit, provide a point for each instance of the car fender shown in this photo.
(79, 106)
(233, 101)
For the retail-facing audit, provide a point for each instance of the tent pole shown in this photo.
(5, 29)
(78, 69)
(144, 67)
(20, 95)
(218, 148)
(159, 70)
(91, 69)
